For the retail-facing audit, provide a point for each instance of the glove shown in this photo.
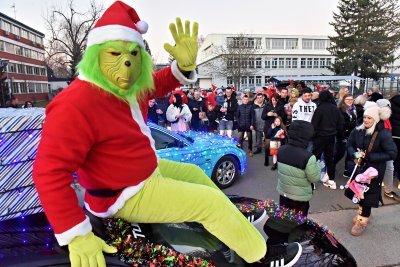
(186, 46)
(321, 164)
(88, 250)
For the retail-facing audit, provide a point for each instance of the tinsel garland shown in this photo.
(141, 252)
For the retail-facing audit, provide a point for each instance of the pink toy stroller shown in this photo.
(360, 184)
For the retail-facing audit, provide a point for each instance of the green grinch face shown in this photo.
(120, 63)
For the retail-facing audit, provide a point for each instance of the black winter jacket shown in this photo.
(327, 119)
(384, 149)
(200, 105)
(232, 106)
(245, 117)
(395, 118)
(278, 109)
(349, 123)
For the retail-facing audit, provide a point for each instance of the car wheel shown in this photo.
(225, 171)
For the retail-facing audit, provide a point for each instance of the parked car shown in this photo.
(217, 155)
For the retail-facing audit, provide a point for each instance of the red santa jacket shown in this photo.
(105, 140)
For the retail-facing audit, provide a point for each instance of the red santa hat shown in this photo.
(119, 22)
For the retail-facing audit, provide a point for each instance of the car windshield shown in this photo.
(188, 138)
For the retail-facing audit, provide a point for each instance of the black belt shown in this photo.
(104, 192)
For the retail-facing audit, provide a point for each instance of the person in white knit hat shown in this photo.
(378, 147)
(390, 191)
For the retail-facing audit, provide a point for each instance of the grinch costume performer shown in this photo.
(97, 128)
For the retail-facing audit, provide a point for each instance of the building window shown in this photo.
(258, 63)
(24, 34)
(288, 63)
(1, 45)
(31, 87)
(18, 50)
(268, 63)
(266, 79)
(29, 70)
(15, 88)
(9, 48)
(258, 43)
(249, 42)
(309, 63)
(267, 43)
(251, 63)
(322, 63)
(274, 63)
(307, 43)
(229, 81)
(43, 71)
(281, 63)
(258, 80)
(27, 52)
(244, 63)
(22, 87)
(278, 43)
(243, 80)
(6, 26)
(319, 44)
(251, 80)
(294, 63)
(20, 69)
(36, 70)
(15, 30)
(38, 88)
(303, 63)
(290, 43)
(328, 62)
(316, 63)
(12, 68)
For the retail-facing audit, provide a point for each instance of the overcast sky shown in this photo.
(308, 17)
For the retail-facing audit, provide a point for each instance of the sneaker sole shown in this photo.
(330, 186)
(259, 219)
(296, 258)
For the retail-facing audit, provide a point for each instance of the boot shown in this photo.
(360, 226)
(258, 151)
(250, 153)
(266, 161)
(274, 166)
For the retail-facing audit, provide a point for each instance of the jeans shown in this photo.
(326, 145)
(249, 136)
(388, 178)
(259, 139)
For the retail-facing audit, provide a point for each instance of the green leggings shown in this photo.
(180, 192)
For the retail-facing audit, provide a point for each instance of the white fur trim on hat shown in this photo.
(383, 103)
(142, 26)
(113, 33)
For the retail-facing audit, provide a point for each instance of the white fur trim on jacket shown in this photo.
(103, 34)
(180, 77)
(82, 228)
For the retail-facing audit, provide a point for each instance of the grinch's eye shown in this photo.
(134, 53)
(115, 54)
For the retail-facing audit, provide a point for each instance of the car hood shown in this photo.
(210, 138)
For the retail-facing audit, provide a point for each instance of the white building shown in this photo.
(274, 55)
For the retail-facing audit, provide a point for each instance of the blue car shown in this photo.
(216, 155)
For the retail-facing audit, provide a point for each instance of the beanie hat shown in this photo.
(373, 112)
(375, 96)
(119, 22)
(294, 90)
(383, 103)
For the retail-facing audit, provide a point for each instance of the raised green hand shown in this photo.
(186, 46)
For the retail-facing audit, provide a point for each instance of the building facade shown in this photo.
(22, 48)
(270, 55)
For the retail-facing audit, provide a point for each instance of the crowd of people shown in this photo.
(323, 126)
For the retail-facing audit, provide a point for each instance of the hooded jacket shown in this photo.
(327, 119)
(296, 173)
(303, 111)
(395, 118)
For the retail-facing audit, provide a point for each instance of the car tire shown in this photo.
(225, 171)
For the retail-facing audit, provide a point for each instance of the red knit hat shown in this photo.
(119, 22)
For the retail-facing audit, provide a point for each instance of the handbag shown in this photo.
(274, 145)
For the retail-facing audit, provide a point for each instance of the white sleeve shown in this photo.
(171, 113)
(295, 112)
(187, 115)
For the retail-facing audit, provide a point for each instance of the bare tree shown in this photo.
(69, 29)
(235, 59)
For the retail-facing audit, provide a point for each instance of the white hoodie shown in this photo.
(303, 111)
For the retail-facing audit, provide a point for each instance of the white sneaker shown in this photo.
(324, 177)
(330, 183)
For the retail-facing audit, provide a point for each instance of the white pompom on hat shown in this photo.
(119, 22)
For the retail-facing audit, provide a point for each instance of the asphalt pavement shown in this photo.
(379, 245)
